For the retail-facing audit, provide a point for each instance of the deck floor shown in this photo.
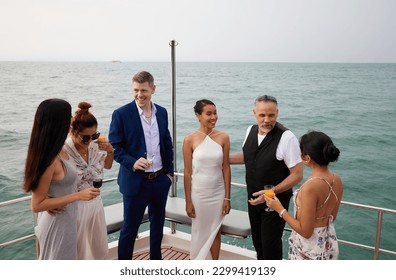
(168, 253)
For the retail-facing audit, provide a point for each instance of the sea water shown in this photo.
(353, 103)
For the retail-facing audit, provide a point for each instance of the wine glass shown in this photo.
(151, 160)
(270, 193)
(98, 180)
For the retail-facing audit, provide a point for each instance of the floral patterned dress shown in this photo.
(323, 244)
(91, 224)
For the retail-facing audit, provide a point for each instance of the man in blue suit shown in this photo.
(143, 147)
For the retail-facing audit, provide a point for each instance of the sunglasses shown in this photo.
(86, 138)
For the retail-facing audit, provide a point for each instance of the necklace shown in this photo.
(148, 119)
(84, 154)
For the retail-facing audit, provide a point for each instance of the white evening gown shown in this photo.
(207, 194)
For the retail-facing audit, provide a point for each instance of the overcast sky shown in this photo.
(206, 30)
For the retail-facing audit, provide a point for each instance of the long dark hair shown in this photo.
(50, 128)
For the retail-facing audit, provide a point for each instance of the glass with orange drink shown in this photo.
(270, 193)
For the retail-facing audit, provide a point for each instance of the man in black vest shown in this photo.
(271, 155)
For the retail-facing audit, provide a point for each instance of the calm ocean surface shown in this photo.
(353, 103)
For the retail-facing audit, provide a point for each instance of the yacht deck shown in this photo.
(168, 253)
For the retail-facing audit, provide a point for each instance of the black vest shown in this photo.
(262, 166)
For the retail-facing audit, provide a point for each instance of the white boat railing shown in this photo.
(375, 248)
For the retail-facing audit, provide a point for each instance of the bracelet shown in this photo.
(281, 213)
(227, 199)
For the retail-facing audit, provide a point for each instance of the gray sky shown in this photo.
(206, 30)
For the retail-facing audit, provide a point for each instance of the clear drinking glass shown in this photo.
(270, 193)
(150, 158)
(98, 180)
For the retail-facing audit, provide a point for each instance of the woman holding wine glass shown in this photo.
(91, 154)
(51, 177)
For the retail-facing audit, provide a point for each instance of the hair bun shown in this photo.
(83, 107)
(331, 152)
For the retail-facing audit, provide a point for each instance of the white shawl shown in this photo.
(86, 170)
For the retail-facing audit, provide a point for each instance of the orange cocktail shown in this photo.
(269, 193)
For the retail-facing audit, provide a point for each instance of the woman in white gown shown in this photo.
(207, 179)
(90, 157)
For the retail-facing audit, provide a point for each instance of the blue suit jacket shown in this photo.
(127, 137)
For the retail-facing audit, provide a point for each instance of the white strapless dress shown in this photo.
(207, 194)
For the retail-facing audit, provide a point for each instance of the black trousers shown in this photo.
(267, 230)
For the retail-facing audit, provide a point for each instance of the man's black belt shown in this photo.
(152, 175)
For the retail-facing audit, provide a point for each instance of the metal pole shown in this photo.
(173, 45)
(378, 236)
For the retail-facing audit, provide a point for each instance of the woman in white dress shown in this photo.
(316, 202)
(207, 179)
(91, 154)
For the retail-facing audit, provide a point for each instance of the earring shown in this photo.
(306, 158)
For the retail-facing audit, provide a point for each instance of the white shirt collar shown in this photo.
(153, 109)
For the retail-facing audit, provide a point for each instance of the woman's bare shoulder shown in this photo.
(189, 136)
(312, 187)
(221, 134)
